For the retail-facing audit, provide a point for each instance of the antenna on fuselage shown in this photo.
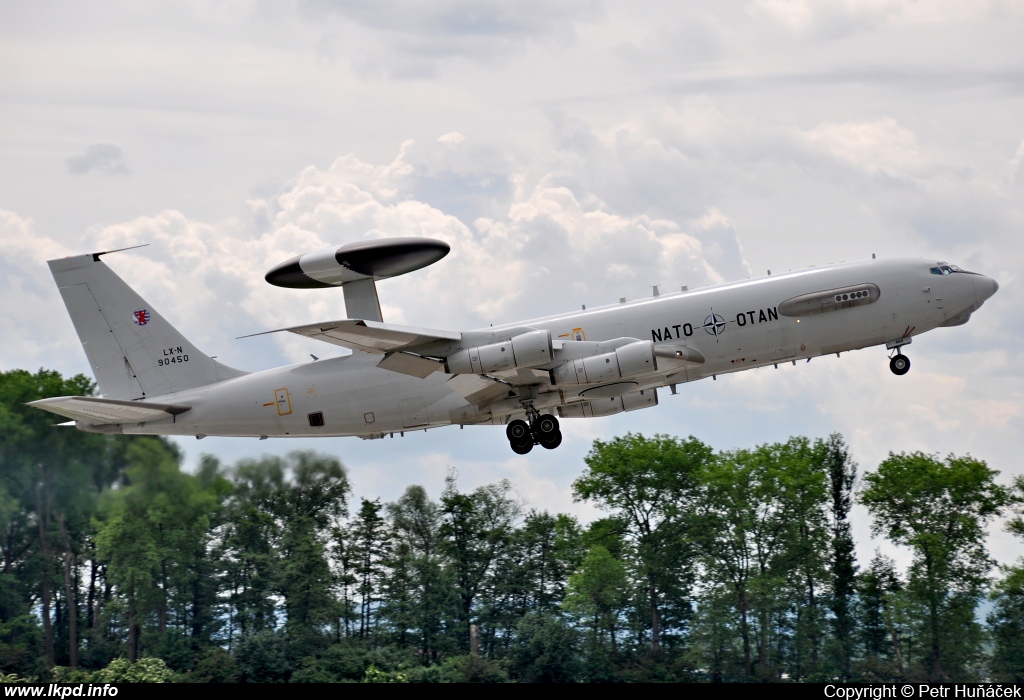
(356, 267)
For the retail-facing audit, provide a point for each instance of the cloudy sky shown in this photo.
(571, 152)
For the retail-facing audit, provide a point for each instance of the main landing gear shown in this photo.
(899, 363)
(541, 430)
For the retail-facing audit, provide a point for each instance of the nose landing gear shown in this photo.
(900, 363)
(542, 430)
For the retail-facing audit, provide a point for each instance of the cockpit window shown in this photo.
(945, 269)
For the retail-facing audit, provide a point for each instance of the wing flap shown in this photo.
(412, 365)
(93, 410)
(477, 389)
(368, 336)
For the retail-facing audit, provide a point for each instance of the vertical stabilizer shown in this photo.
(134, 352)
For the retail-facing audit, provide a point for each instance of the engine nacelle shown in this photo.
(524, 350)
(633, 401)
(627, 361)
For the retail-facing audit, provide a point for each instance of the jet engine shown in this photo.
(524, 350)
(627, 361)
(633, 401)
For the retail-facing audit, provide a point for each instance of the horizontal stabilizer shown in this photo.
(93, 410)
(368, 336)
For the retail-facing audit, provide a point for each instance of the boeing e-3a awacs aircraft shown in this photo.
(525, 375)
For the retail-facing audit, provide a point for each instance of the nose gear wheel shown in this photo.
(899, 364)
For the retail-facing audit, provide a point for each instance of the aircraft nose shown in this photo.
(985, 287)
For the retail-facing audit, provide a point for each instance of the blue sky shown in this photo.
(570, 152)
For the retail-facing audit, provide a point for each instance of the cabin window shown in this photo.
(945, 269)
(316, 420)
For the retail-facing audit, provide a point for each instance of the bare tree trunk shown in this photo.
(9, 549)
(133, 637)
(895, 638)
(102, 596)
(762, 647)
(745, 633)
(655, 619)
(70, 596)
(90, 600)
(933, 614)
(162, 612)
(103, 599)
(44, 546)
(812, 603)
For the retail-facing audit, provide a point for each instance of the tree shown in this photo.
(1007, 617)
(309, 505)
(367, 552)
(475, 532)
(713, 642)
(281, 515)
(546, 555)
(842, 473)
(597, 592)
(882, 629)
(153, 536)
(764, 536)
(49, 479)
(546, 650)
(1007, 624)
(939, 508)
(419, 600)
(651, 485)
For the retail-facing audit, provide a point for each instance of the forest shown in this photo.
(706, 566)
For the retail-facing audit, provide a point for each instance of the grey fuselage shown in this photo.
(734, 326)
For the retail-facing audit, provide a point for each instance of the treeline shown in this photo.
(708, 566)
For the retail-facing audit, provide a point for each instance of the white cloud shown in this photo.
(830, 16)
(1016, 161)
(33, 327)
(878, 146)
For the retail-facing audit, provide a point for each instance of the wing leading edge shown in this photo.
(368, 336)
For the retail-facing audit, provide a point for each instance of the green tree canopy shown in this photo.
(940, 509)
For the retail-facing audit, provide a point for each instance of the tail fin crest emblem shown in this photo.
(141, 317)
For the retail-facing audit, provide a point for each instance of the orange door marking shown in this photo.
(284, 402)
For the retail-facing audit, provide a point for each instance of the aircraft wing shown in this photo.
(368, 336)
(96, 411)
